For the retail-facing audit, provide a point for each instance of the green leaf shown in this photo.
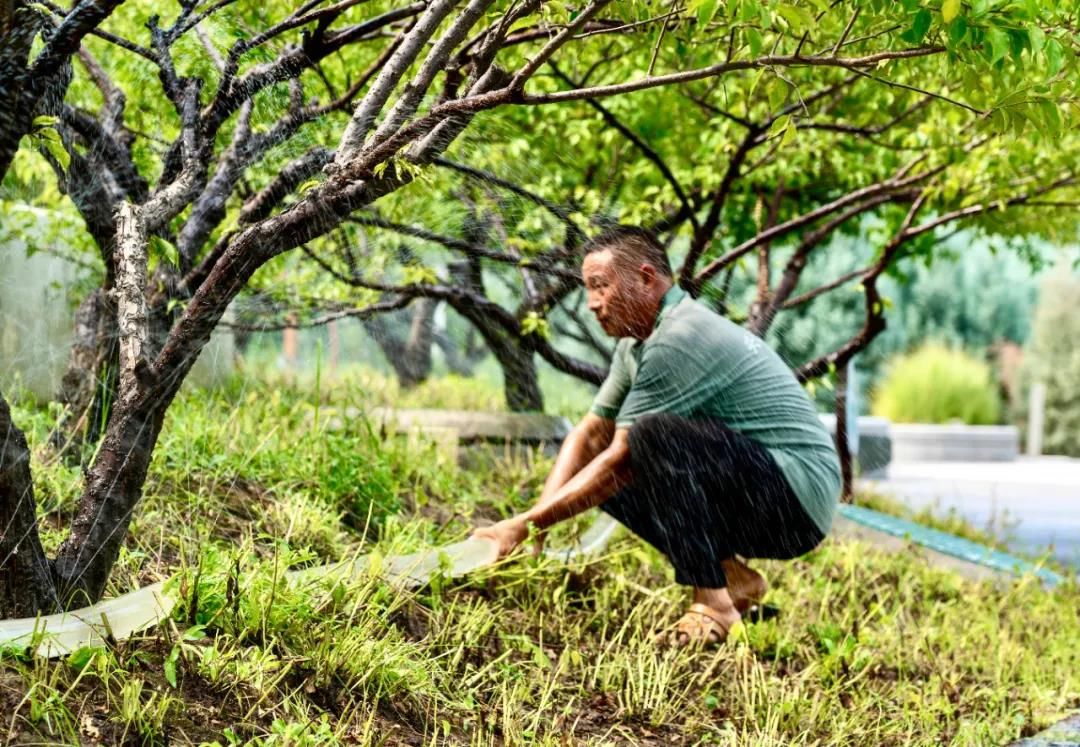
(312, 183)
(1018, 42)
(170, 671)
(81, 657)
(754, 85)
(780, 125)
(777, 92)
(163, 250)
(534, 324)
(705, 12)
(1055, 57)
(789, 134)
(957, 29)
(1037, 38)
(950, 9)
(753, 37)
(920, 25)
(57, 150)
(44, 120)
(999, 43)
(1051, 117)
(799, 19)
(419, 275)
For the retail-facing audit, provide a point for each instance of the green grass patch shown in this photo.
(247, 482)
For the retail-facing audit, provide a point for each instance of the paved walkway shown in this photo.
(1041, 495)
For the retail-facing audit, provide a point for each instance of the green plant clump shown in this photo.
(936, 384)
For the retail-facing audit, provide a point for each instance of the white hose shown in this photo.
(121, 617)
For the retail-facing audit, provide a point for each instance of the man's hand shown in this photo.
(507, 534)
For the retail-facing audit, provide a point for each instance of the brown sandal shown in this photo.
(701, 624)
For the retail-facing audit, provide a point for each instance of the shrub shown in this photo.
(1053, 357)
(937, 384)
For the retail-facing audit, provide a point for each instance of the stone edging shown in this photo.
(1065, 733)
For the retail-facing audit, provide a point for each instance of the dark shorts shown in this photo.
(702, 493)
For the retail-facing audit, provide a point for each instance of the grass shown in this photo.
(871, 648)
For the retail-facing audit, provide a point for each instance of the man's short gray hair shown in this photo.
(632, 245)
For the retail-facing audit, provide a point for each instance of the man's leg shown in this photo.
(643, 514)
(703, 493)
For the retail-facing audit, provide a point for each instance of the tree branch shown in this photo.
(352, 140)
(132, 318)
(649, 153)
(850, 63)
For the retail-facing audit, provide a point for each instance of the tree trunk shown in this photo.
(407, 351)
(18, 25)
(26, 583)
(88, 387)
(333, 346)
(421, 337)
(520, 382)
(460, 359)
(113, 488)
(114, 482)
(843, 448)
(290, 344)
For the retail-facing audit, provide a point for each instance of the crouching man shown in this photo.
(700, 441)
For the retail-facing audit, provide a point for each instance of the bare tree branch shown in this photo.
(352, 140)
(131, 311)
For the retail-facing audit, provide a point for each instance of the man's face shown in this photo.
(620, 297)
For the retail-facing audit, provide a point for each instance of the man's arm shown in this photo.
(601, 478)
(587, 439)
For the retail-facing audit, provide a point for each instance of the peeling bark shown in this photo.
(132, 317)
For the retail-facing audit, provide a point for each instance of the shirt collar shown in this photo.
(673, 295)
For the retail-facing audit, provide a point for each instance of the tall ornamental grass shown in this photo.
(937, 384)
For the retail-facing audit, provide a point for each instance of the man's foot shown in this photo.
(746, 586)
(708, 620)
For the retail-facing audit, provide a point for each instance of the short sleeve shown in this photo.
(612, 392)
(669, 379)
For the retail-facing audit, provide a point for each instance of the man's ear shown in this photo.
(647, 273)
